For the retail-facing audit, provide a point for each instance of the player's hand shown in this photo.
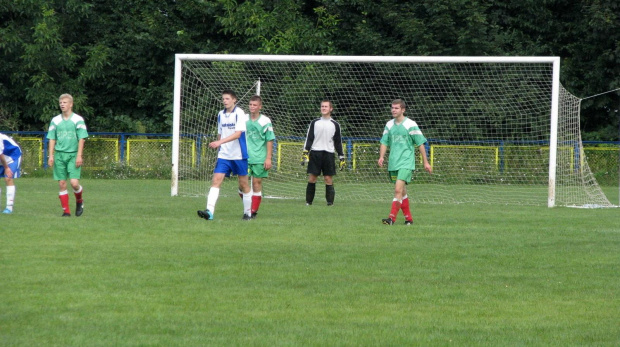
(305, 158)
(428, 168)
(342, 164)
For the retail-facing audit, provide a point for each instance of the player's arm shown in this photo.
(427, 166)
(338, 146)
(382, 151)
(78, 157)
(219, 142)
(268, 164)
(50, 153)
(305, 156)
(7, 170)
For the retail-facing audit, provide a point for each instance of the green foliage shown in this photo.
(117, 56)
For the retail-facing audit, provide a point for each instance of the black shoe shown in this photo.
(79, 209)
(308, 203)
(330, 204)
(254, 214)
(206, 214)
(408, 222)
(246, 217)
(66, 214)
(387, 221)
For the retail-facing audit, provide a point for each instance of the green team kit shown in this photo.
(402, 139)
(67, 133)
(258, 133)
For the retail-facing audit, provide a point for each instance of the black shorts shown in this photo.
(322, 161)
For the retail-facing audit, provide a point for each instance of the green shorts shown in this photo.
(402, 174)
(257, 170)
(64, 166)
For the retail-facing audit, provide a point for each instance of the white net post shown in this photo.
(501, 129)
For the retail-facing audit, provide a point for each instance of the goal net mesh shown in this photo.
(487, 125)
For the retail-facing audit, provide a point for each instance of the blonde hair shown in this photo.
(66, 96)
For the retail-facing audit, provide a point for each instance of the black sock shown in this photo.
(310, 189)
(330, 194)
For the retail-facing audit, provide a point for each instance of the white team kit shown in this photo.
(228, 124)
(12, 154)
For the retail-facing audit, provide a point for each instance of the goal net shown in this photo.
(500, 130)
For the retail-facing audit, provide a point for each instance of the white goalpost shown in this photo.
(500, 130)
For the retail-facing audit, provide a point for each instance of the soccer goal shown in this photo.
(500, 130)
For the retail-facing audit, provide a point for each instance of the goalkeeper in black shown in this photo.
(322, 140)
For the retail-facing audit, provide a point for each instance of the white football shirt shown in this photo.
(228, 124)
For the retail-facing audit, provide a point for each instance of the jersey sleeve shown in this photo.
(242, 120)
(385, 138)
(310, 136)
(416, 135)
(80, 129)
(269, 134)
(338, 140)
(51, 131)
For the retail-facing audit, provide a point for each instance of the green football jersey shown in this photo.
(258, 132)
(67, 132)
(402, 139)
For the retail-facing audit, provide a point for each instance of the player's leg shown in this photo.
(61, 175)
(311, 189)
(77, 192)
(396, 202)
(214, 194)
(257, 194)
(16, 167)
(75, 173)
(314, 170)
(63, 195)
(244, 183)
(10, 195)
(240, 168)
(329, 171)
(222, 169)
(330, 193)
(405, 207)
(398, 198)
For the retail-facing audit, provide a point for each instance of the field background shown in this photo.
(139, 268)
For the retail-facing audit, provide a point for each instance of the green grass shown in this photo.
(140, 268)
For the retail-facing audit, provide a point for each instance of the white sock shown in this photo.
(10, 197)
(214, 193)
(77, 191)
(247, 203)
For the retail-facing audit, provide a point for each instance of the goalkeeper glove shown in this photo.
(342, 164)
(305, 158)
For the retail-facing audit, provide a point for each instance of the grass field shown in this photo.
(139, 268)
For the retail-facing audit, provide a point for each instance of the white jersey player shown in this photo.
(232, 155)
(11, 158)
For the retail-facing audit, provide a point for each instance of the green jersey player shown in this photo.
(260, 137)
(66, 136)
(401, 135)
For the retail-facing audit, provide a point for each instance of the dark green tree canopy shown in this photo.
(117, 56)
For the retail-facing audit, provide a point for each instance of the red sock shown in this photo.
(64, 202)
(406, 211)
(78, 195)
(256, 199)
(395, 207)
